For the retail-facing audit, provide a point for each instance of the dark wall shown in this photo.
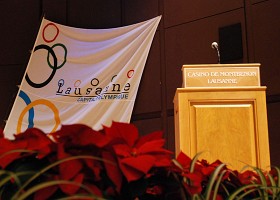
(184, 36)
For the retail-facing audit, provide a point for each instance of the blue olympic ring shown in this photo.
(27, 100)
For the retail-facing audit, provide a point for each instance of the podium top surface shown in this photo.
(221, 75)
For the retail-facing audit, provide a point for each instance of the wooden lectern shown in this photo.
(221, 112)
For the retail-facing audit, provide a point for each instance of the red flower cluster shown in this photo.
(32, 140)
(195, 177)
(114, 163)
(117, 152)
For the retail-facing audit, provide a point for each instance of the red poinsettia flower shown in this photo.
(112, 171)
(77, 140)
(207, 168)
(68, 170)
(32, 139)
(6, 156)
(137, 155)
(248, 177)
(81, 135)
(36, 140)
(185, 164)
(47, 192)
(193, 180)
(80, 139)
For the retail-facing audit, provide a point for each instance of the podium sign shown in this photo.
(227, 75)
(228, 123)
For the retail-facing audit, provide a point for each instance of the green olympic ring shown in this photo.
(65, 55)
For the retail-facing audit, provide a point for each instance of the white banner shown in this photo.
(87, 76)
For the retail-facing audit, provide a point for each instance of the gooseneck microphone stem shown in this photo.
(215, 46)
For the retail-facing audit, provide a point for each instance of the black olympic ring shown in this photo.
(43, 84)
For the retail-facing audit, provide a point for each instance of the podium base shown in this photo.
(229, 124)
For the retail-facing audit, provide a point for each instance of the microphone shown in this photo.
(215, 46)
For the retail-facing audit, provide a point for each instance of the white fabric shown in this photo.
(94, 82)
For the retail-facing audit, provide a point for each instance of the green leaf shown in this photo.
(218, 184)
(176, 163)
(263, 182)
(51, 183)
(247, 192)
(7, 186)
(193, 162)
(16, 151)
(197, 197)
(11, 175)
(274, 189)
(212, 180)
(81, 196)
(278, 175)
(249, 188)
(53, 165)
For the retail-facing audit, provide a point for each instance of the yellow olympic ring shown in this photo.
(37, 102)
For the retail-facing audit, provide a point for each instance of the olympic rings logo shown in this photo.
(54, 66)
(30, 107)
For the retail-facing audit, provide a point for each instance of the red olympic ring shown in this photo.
(57, 31)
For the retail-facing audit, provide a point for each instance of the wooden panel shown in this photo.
(94, 13)
(149, 95)
(257, 1)
(191, 44)
(171, 134)
(274, 127)
(148, 125)
(7, 100)
(20, 21)
(55, 10)
(140, 10)
(220, 127)
(188, 10)
(10, 77)
(266, 23)
(229, 123)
